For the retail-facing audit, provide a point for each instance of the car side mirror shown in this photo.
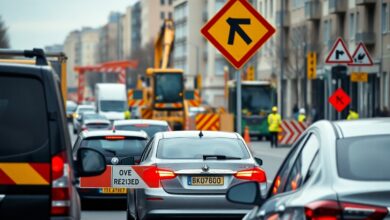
(247, 193)
(90, 162)
(259, 161)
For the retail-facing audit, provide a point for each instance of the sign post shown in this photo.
(238, 31)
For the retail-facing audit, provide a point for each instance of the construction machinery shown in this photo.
(162, 96)
(257, 97)
(57, 61)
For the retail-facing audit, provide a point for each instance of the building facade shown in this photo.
(72, 49)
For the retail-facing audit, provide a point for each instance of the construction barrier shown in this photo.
(290, 132)
(24, 173)
(196, 101)
(135, 100)
(146, 113)
(207, 122)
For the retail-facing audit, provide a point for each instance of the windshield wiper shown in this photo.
(220, 157)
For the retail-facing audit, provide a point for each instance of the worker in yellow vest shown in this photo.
(274, 122)
(353, 115)
(302, 115)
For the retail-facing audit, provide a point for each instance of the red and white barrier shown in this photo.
(291, 130)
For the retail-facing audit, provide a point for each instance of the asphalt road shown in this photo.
(272, 158)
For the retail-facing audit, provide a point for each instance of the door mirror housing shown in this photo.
(90, 162)
(259, 161)
(247, 193)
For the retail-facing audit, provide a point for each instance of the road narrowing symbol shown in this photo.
(238, 31)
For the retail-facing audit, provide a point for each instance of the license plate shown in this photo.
(113, 190)
(205, 180)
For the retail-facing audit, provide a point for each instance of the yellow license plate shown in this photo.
(113, 190)
(205, 180)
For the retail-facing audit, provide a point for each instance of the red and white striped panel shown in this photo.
(291, 130)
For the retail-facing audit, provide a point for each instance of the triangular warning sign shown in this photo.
(361, 57)
(339, 53)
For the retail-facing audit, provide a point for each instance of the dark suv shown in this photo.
(37, 175)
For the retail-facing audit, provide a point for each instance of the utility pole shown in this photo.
(238, 101)
(281, 57)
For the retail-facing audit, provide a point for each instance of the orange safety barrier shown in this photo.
(24, 173)
(146, 113)
(207, 122)
(291, 130)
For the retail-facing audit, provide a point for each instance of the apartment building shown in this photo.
(313, 26)
(89, 46)
(110, 39)
(72, 48)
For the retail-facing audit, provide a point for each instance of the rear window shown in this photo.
(195, 148)
(151, 130)
(124, 147)
(81, 110)
(364, 158)
(23, 115)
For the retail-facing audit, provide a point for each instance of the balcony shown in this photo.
(286, 19)
(312, 10)
(365, 2)
(368, 37)
(338, 6)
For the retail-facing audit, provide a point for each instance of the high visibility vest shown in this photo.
(301, 118)
(127, 115)
(353, 115)
(274, 122)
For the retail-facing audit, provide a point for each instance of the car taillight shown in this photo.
(254, 174)
(115, 137)
(61, 189)
(165, 174)
(333, 210)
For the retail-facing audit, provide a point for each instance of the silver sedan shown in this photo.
(195, 170)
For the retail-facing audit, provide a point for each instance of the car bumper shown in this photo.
(94, 193)
(157, 202)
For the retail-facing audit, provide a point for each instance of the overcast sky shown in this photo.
(39, 23)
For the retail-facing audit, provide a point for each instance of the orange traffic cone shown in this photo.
(247, 137)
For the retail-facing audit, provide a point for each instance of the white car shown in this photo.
(77, 115)
(151, 127)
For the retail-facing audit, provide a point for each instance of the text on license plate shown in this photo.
(205, 180)
(113, 190)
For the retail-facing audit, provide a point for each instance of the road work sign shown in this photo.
(124, 176)
(339, 54)
(340, 100)
(237, 31)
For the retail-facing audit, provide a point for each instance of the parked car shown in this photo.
(37, 174)
(118, 148)
(77, 115)
(195, 170)
(336, 170)
(70, 109)
(91, 121)
(151, 127)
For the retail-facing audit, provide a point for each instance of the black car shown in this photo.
(336, 170)
(119, 148)
(37, 173)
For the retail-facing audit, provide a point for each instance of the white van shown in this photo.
(111, 100)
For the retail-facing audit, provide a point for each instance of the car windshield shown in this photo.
(121, 147)
(93, 116)
(169, 87)
(151, 130)
(90, 109)
(364, 158)
(196, 148)
(113, 106)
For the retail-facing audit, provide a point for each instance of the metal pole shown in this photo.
(281, 59)
(238, 100)
(197, 60)
(381, 59)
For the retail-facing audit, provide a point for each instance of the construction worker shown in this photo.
(302, 115)
(353, 115)
(128, 113)
(274, 122)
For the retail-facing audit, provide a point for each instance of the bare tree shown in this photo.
(4, 41)
(145, 57)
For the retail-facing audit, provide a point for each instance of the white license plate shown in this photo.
(205, 180)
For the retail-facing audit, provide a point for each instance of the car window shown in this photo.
(23, 116)
(151, 130)
(116, 146)
(281, 177)
(148, 147)
(302, 164)
(195, 148)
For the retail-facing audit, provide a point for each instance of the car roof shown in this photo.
(363, 127)
(85, 106)
(140, 121)
(195, 134)
(98, 133)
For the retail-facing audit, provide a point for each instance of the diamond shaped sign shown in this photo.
(340, 100)
(238, 31)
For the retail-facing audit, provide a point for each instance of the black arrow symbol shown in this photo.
(361, 56)
(235, 27)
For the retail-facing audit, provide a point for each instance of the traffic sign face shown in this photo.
(339, 100)
(237, 31)
(361, 57)
(339, 53)
(359, 77)
(311, 65)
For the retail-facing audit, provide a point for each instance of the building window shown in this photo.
(261, 7)
(219, 4)
(162, 15)
(180, 12)
(385, 18)
(170, 15)
(352, 26)
(219, 65)
(271, 5)
(162, 2)
(170, 2)
(327, 32)
(266, 8)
